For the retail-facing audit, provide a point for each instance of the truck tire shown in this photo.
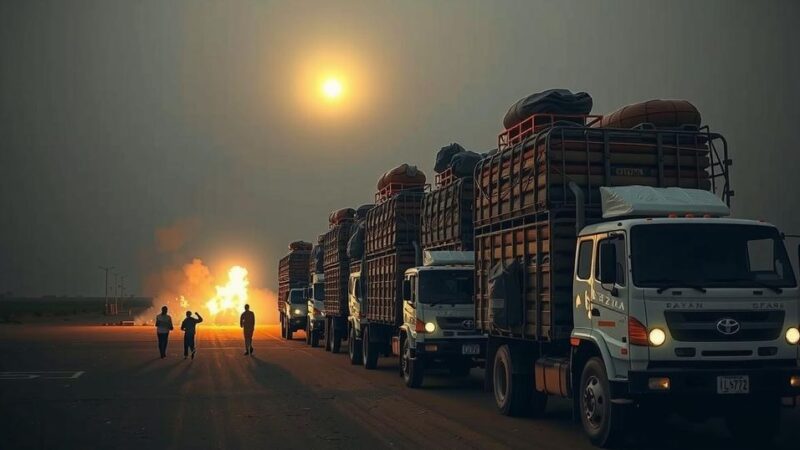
(283, 327)
(369, 351)
(755, 424)
(336, 340)
(353, 347)
(413, 369)
(601, 419)
(512, 392)
(327, 331)
(308, 332)
(289, 331)
(314, 338)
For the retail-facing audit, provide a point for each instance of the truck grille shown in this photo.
(702, 326)
(456, 323)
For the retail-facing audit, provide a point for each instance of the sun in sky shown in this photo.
(332, 88)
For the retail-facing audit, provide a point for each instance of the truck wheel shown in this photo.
(308, 332)
(283, 327)
(369, 351)
(327, 331)
(314, 336)
(601, 419)
(353, 347)
(512, 392)
(413, 369)
(757, 423)
(336, 341)
(289, 331)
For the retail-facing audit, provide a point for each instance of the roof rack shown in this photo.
(446, 178)
(392, 189)
(538, 122)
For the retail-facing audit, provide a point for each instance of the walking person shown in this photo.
(163, 327)
(247, 321)
(189, 327)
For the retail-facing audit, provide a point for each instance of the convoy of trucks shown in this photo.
(587, 257)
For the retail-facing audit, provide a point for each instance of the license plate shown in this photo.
(470, 349)
(733, 384)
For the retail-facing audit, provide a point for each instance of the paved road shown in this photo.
(105, 387)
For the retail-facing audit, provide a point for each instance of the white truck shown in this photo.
(676, 308)
(438, 318)
(315, 324)
(295, 313)
(438, 328)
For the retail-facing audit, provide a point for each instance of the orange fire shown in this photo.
(232, 296)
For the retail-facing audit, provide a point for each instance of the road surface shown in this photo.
(73, 387)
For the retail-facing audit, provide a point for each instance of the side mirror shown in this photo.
(407, 290)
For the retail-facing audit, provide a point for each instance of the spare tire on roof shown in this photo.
(340, 215)
(403, 174)
(300, 245)
(660, 113)
(551, 101)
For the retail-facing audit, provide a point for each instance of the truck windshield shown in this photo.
(446, 286)
(709, 255)
(319, 292)
(296, 296)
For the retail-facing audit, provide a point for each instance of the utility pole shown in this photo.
(106, 269)
(122, 290)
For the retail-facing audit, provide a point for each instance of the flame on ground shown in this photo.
(231, 297)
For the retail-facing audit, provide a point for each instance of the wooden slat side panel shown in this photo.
(384, 286)
(292, 272)
(336, 278)
(446, 220)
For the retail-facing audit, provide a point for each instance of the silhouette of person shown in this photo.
(163, 327)
(189, 327)
(247, 321)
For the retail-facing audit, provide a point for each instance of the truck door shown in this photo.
(409, 303)
(609, 308)
(583, 283)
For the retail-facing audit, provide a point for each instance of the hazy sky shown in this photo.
(118, 119)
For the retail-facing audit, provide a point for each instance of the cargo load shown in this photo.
(659, 113)
(300, 245)
(293, 271)
(341, 215)
(525, 209)
(446, 217)
(534, 174)
(403, 175)
(558, 102)
(394, 224)
(336, 261)
(384, 279)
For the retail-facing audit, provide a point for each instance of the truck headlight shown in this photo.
(430, 327)
(657, 337)
(793, 335)
(297, 312)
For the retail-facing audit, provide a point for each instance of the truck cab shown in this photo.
(698, 312)
(315, 325)
(438, 328)
(355, 319)
(296, 312)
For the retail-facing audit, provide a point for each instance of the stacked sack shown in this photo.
(457, 158)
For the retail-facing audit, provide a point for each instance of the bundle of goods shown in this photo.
(341, 215)
(300, 246)
(658, 113)
(453, 162)
(558, 102)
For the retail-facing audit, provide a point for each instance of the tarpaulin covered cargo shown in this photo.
(660, 113)
(551, 101)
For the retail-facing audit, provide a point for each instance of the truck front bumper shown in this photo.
(450, 348)
(773, 381)
(298, 322)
